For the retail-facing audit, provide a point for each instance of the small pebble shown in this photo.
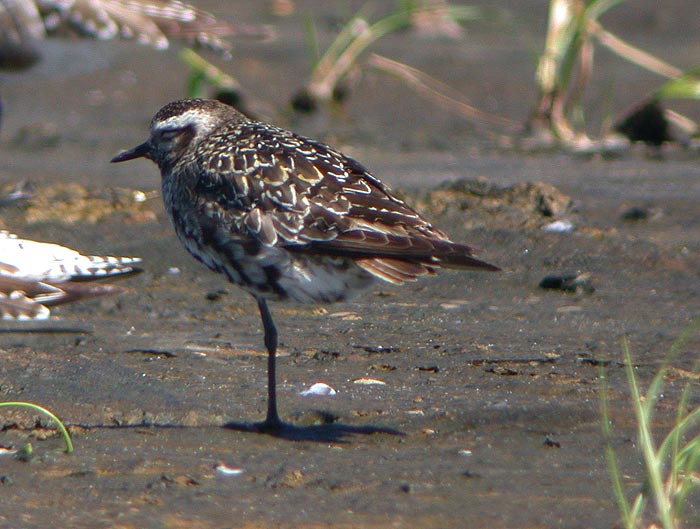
(569, 309)
(579, 282)
(369, 381)
(345, 315)
(551, 443)
(637, 213)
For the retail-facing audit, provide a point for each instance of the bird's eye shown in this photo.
(170, 134)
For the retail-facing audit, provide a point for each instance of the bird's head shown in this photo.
(179, 126)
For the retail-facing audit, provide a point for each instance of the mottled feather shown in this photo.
(36, 275)
(274, 211)
(152, 22)
(307, 197)
(283, 216)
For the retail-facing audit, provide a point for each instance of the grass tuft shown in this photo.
(672, 467)
(565, 67)
(345, 53)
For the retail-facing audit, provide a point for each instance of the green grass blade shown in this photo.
(598, 7)
(356, 36)
(643, 408)
(206, 72)
(342, 41)
(671, 445)
(311, 40)
(59, 425)
(685, 87)
(672, 472)
(637, 511)
(345, 37)
(562, 46)
(611, 456)
(689, 462)
(195, 85)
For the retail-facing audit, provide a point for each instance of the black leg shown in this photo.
(272, 421)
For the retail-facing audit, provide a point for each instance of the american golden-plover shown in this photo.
(283, 216)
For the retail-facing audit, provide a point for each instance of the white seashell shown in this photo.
(559, 226)
(319, 388)
(226, 470)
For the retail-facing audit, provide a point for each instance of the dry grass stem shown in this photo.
(434, 90)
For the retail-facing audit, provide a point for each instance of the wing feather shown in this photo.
(152, 23)
(331, 205)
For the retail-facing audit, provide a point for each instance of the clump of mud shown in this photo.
(480, 203)
(73, 204)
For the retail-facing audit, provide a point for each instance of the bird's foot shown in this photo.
(271, 425)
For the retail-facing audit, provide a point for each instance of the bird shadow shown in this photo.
(319, 433)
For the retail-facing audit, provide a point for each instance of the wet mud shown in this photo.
(463, 400)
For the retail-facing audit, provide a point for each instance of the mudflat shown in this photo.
(463, 400)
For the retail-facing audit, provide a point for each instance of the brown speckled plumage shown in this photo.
(284, 216)
(153, 22)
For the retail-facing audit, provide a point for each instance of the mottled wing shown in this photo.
(21, 28)
(282, 189)
(103, 20)
(17, 306)
(41, 261)
(80, 291)
(36, 290)
(151, 22)
(22, 299)
(26, 299)
(384, 235)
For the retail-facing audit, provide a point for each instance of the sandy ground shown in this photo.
(488, 415)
